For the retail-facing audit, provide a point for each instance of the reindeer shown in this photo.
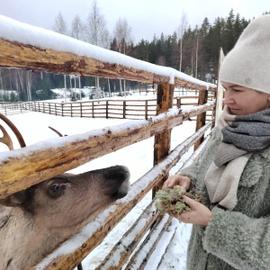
(33, 222)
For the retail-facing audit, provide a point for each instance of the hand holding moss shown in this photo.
(183, 205)
(178, 179)
(170, 200)
(198, 213)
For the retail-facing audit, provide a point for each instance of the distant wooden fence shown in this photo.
(111, 108)
(36, 164)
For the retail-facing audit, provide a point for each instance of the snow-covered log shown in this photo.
(125, 246)
(157, 240)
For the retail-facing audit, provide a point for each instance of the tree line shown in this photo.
(194, 51)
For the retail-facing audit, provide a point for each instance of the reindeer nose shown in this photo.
(121, 173)
(116, 179)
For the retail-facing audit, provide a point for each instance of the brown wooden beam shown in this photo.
(201, 118)
(18, 55)
(162, 141)
(164, 103)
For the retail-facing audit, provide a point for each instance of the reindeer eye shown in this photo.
(56, 190)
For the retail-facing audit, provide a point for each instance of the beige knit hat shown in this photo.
(248, 63)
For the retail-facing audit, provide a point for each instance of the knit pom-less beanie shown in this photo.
(248, 63)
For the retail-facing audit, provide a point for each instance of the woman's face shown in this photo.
(241, 100)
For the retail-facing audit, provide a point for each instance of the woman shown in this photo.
(232, 229)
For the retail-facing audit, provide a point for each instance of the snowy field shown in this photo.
(137, 157)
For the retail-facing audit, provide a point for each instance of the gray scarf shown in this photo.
(245, 134)
(242, 136)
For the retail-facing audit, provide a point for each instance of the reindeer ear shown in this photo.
(18, 199)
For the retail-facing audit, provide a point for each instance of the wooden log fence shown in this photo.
(36, 163)
(119, 109)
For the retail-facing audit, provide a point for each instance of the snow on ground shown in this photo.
(137, 157)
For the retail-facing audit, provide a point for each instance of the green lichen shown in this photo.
(170, 200)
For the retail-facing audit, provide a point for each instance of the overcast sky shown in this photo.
(146, 17)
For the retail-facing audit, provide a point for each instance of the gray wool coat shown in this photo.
(240, 238)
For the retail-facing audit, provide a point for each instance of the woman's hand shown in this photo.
(198, 214)
(178, 179)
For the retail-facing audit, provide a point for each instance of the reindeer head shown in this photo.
(69, 200)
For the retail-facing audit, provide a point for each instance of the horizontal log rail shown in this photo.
(126, 245)
(16, 54)
(150, 251)
(100, 227)
(169, 244)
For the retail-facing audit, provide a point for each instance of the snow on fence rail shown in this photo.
(24, 46)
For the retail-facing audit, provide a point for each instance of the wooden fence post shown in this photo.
(81, 112)
(49, 108)
(93, 110)
(162, 142)
(55, 110)
(62, 109)
(124, 109)
(203, 94)
(107, 109)
(178, 102)
(146, 109)
(71, 108)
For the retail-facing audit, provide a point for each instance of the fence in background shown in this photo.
(110, 108)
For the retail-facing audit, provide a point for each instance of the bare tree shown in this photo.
(181, 30)
(60, 25)
(77, 28)
(96, 30)
(122, 34)
(196, 51)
